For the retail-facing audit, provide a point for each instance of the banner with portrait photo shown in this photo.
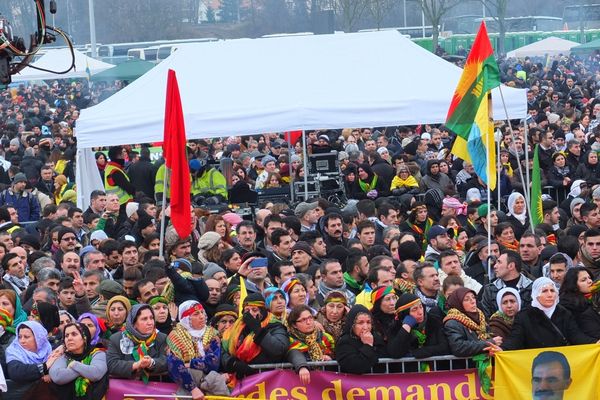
(569, 372)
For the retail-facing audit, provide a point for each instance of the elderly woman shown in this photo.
(415, 332)
(545, 323)
(576, 295)
(465, 325)
(139, 350)
(332, 315)
(29, 358)
(359, 348)
(81, 372)
(194, 353)
(307, 342)
(509, 304)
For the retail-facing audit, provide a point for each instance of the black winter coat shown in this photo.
(405, 344)
(585, 315)
(463, 341)
(532, 329)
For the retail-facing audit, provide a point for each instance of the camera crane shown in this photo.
(14, 55)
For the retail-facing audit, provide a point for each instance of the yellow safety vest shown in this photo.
(124, 197)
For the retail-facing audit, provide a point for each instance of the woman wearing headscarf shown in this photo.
(256, 337)
(577, 294)
(517, 214)
(589, 169)
(8, 301)
(195, 353)
(418, 223)
(415, 332)
(384, 300)
(307, 342)
(295, 292)
(47, 315)
(332, 316)
(465, 326)
(368, 185)
(29, 358)
(276, 301)
(93, 325)
(117, 309)
(545, 323)
(81, 372)
(225, 316)
(509, 304)
(138, 351)
(162, 317)
(359, 348)
(404, 182)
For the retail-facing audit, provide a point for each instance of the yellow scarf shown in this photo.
(409, 182)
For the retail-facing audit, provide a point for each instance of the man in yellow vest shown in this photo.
(206, 180)
(116, 180)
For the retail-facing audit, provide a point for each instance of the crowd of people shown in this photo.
(403, 268)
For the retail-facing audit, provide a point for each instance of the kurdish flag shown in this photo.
(468, 115)
(537, 213)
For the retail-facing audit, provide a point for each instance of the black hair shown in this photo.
(547, 357)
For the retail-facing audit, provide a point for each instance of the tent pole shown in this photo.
(499, 169)
(292, 191)
(527, 188)
(166, 186)
(305, 162)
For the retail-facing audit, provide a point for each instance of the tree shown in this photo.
(230, 11)
(434, 10)
(497, 10)
(350, 12)
(379, 9)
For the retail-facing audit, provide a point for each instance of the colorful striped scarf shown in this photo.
(317, 344)
(140, 349)
(6, 321)
(82, 383)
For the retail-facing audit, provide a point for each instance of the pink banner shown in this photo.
(279, 385)
(117, 388)
(284, 384)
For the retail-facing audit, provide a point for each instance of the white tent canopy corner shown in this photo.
(252, 86)
(551, 46)
(59, 60)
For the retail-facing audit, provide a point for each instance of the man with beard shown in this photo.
(357, 269)
(550, 376)
(438, 241)
(334, 230)
(246, 237)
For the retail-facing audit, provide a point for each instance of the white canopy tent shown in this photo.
(60, 60)
(551, 46)
(250, 86)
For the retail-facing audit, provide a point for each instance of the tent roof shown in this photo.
(129, 70)
(250, 86)
(589, 46)
(551, 46)
(60, 60)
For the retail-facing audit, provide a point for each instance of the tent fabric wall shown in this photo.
(250, 86)
(87, 178)
(60, 60)
(551, 46)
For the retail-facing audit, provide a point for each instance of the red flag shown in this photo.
(174, 151)
(292, 137)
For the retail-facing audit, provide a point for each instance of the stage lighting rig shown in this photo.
(14, 55)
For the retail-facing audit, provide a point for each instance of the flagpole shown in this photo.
(527, 188)
(305, 162)
(512, 134)
(499, 163)
(166, 186)
(489, 191)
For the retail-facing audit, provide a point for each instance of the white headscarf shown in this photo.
(576, 188)
(197, 334)
(522, 217)
(504, 291)
(536, 290)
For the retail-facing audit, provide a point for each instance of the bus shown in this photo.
(589, 14)
(121, 49)
(407, 31)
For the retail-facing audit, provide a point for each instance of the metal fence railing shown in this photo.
(386, 365)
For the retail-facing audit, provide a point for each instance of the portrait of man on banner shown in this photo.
(550, 376)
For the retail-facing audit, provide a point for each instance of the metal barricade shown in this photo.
(386, 365)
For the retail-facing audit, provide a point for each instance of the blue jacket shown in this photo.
(27, 205)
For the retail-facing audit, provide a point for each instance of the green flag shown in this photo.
(537, 213)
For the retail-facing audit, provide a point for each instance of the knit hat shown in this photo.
(482, 210)
(122, 299)
(210, 270)
(232, 218)
(31, 240)
(473, 195)
(302, 246)
(86, 249)
(295, 158)
(342, 155)
(14, 142)
(183, 264)
(304, 207)
(380, 293)
(270, 293)
(208, 240)
(578, 200)
(63, 231)
(19, 177)
(351, 148)
(596, 192)
(130, 208)
(268, 159)
(145, 221)
(382, 150)
(425, 136)
(255, 299)
(109, 289)
(98, 235)
(404, 303)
